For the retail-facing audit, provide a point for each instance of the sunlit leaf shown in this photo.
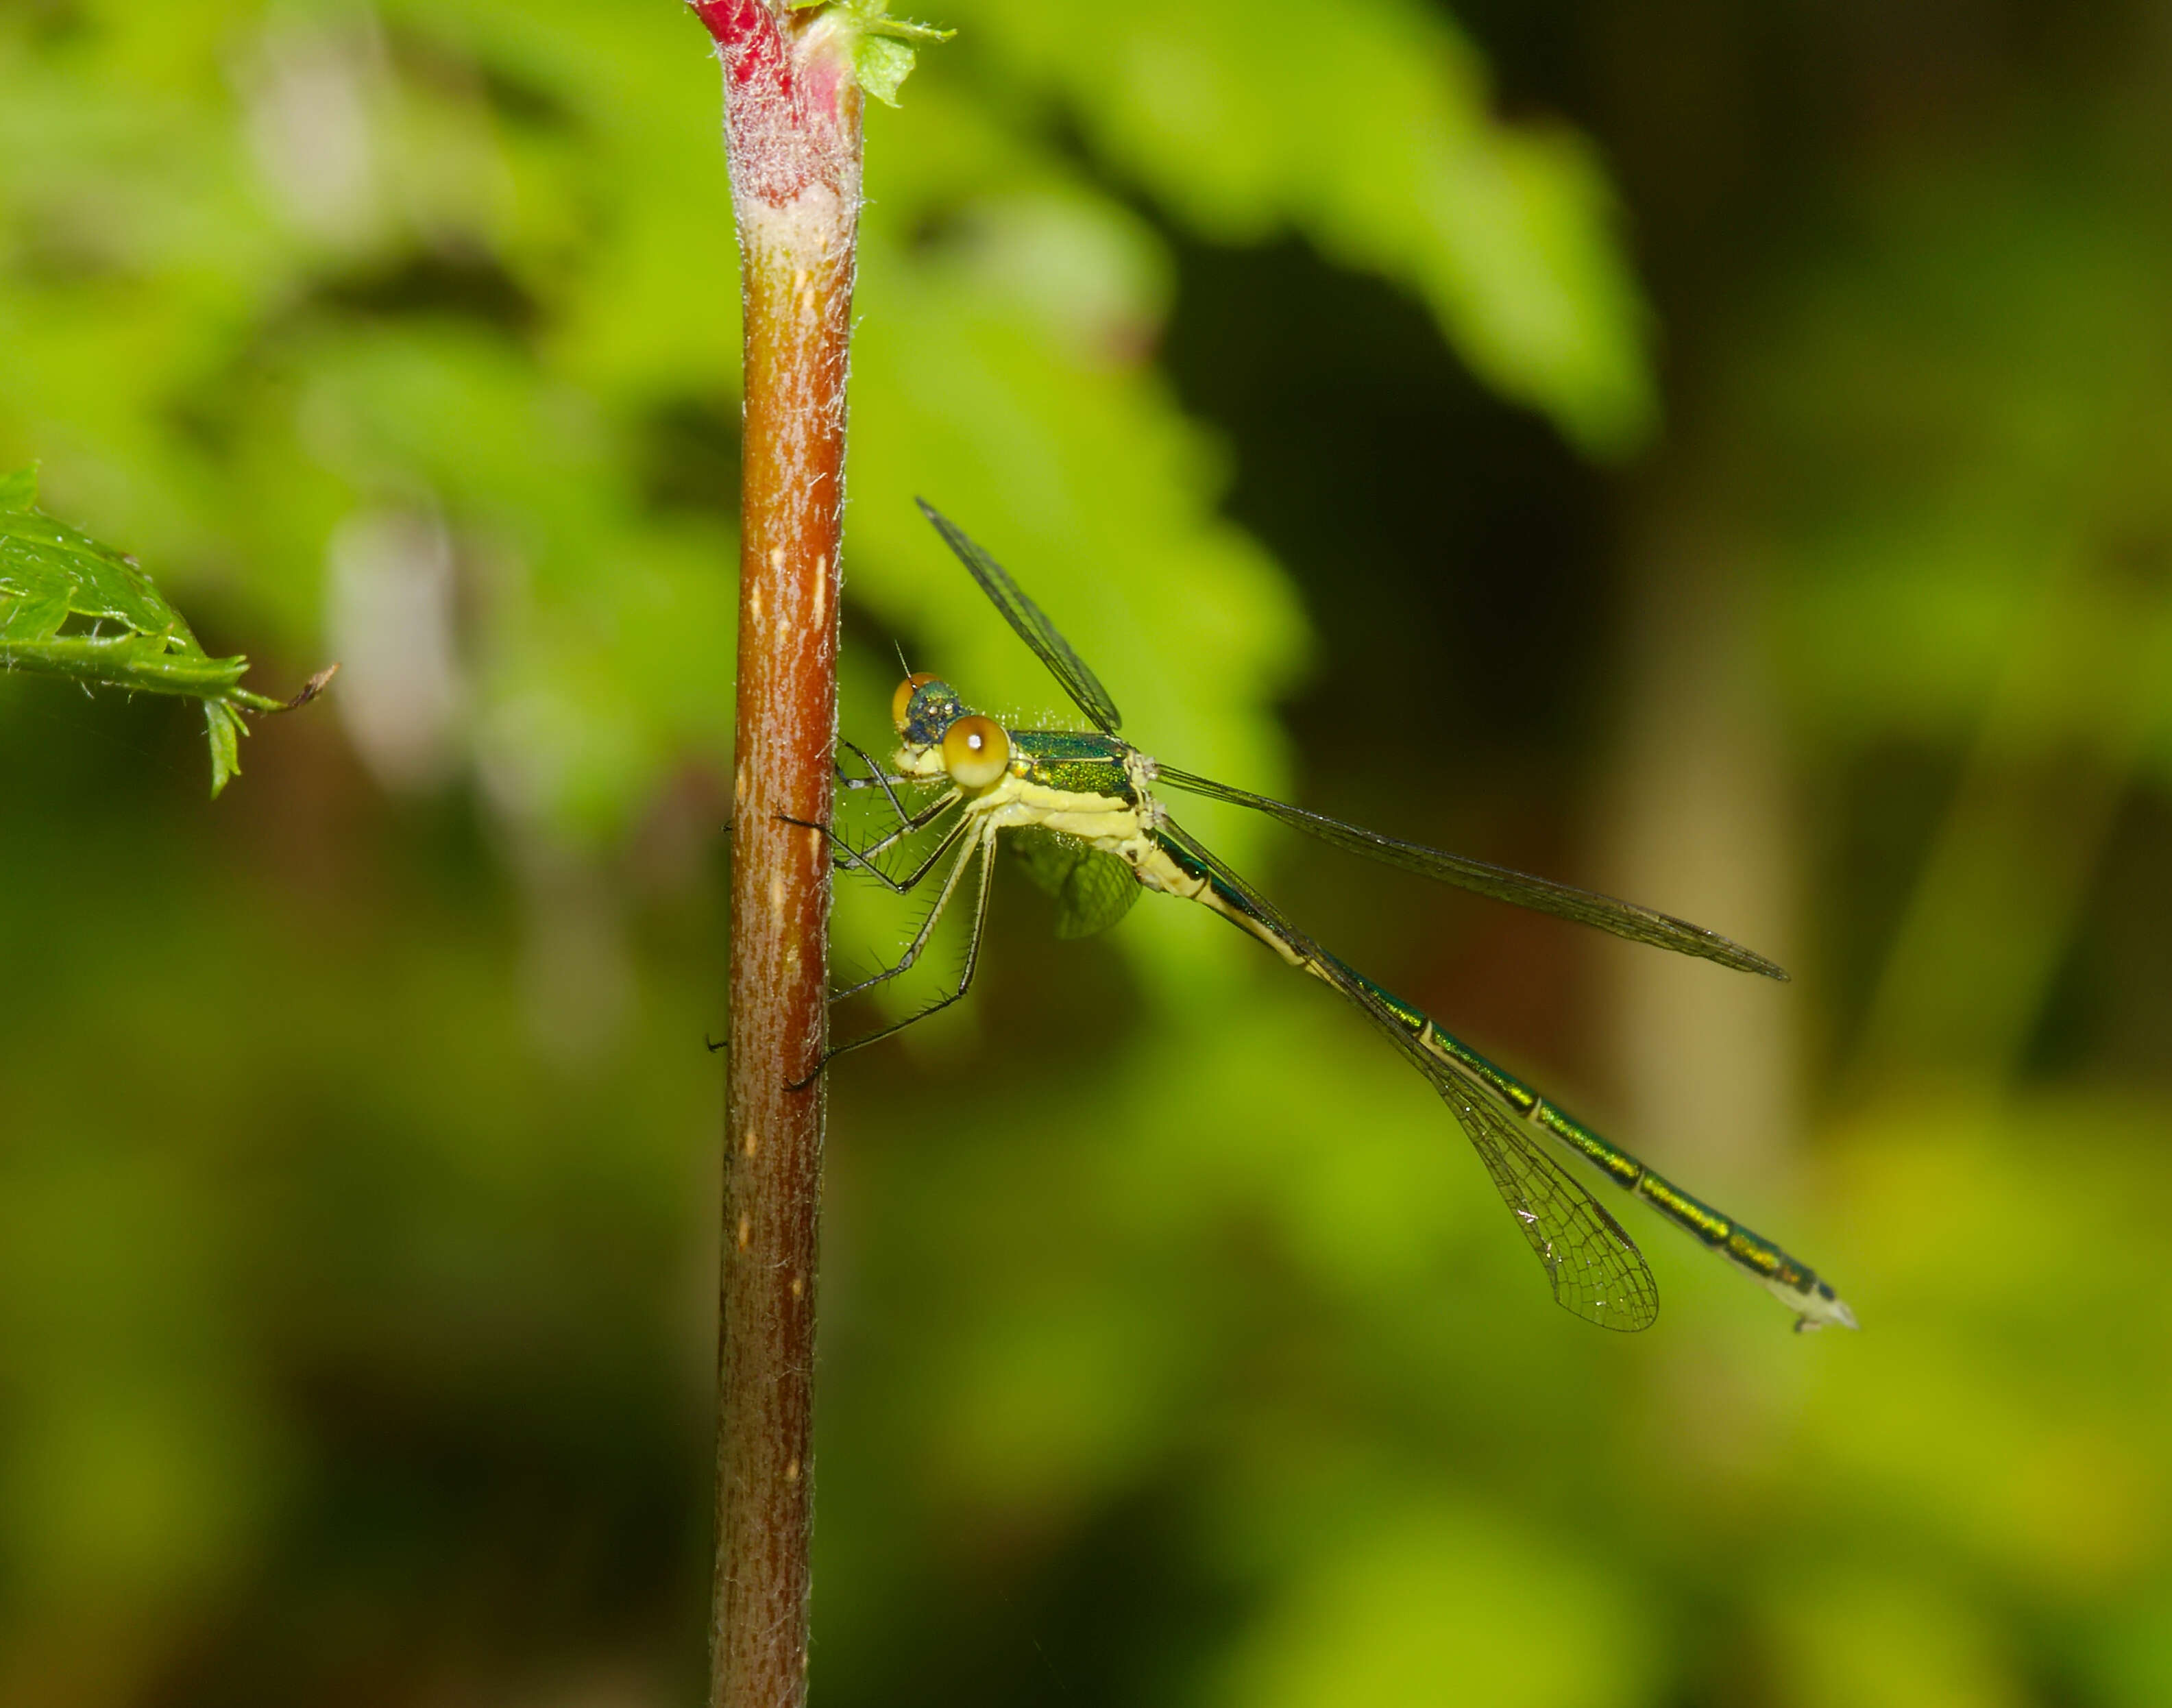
(1367, 126)
(58, 590)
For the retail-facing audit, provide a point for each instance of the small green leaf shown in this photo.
(874, 17)
(882, 65)
(904, 29)
(881, 59)
(52, 576)
(224, 724)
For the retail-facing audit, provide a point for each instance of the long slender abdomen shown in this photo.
(1793, 1283)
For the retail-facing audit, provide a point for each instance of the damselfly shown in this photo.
(1084, 807)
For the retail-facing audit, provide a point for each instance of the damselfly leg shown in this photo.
(920, 938)
(974, 932)
(876, 778)
(848, 858)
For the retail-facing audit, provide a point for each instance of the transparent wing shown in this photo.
(1033, 626)
(1093, 890)
(1592, 1264)
(1595, 1267)
(1626, 919)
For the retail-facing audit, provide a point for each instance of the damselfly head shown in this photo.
(901, 703)
(976, 751)
(922, 708)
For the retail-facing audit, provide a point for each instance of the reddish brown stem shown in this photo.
(792, 135)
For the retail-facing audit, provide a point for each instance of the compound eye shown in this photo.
(976, 751)
(902, 699)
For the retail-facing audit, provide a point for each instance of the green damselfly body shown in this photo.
(1084, 808)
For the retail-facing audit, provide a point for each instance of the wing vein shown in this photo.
(1607, 913)
(1592, 1264)
(1031, 622)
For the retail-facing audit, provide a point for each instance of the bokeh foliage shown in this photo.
(357, 1179)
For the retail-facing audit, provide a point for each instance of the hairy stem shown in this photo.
(792, 134)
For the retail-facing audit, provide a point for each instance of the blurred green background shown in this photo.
(1720, 453)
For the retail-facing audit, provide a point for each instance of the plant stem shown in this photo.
(793, 133)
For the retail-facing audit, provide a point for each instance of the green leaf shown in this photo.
(1093, 890)
(873, 15)
(52, 577)
(223, 725)
(882, 65)
(881, 59)
(1371, 128)
(905, 29)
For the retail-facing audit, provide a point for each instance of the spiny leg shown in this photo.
(986, 850)
(876, 778)
(876, 775)
(928, 925)
(853, 859)
(919, 821)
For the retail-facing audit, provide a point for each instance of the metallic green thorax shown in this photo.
(1074, 761)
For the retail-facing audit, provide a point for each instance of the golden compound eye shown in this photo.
(902, 699)
(976, 751)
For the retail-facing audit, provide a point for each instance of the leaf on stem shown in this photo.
(59, 588)
(883, 54)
